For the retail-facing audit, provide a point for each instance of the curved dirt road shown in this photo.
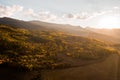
(105, 70)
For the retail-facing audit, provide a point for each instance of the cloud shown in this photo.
(42, 15)
(31, 13)
(116, 7)
(47, 16)
(87, 15)
(7, 11)
(69, 16)
(51, 17)
(81, 16)
(84, 15)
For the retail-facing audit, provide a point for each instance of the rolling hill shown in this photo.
(35, 48)
(49, 47)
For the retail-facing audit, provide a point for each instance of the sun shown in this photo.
(109, 21)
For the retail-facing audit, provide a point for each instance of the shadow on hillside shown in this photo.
(13, 73)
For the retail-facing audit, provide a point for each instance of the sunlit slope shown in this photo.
(79, 31)
(110, 32)
(47, 49)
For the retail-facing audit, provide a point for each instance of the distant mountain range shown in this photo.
(103, 35)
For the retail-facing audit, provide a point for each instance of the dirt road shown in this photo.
(105, 70)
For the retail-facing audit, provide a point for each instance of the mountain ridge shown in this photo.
(74, 30)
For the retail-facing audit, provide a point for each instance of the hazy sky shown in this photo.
(77, 12)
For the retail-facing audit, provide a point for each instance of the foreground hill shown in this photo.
(36, 53)
(26, 50)
(47, 49)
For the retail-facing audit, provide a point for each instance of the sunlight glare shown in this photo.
(109, 22)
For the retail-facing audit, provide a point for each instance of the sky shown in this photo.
(85, 13)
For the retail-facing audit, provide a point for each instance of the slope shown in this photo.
(45, 49)
(79, 31)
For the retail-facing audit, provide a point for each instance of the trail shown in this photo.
(104, 70)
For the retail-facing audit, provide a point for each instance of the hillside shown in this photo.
(27, 51)
(31, 49)
(79, 31)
